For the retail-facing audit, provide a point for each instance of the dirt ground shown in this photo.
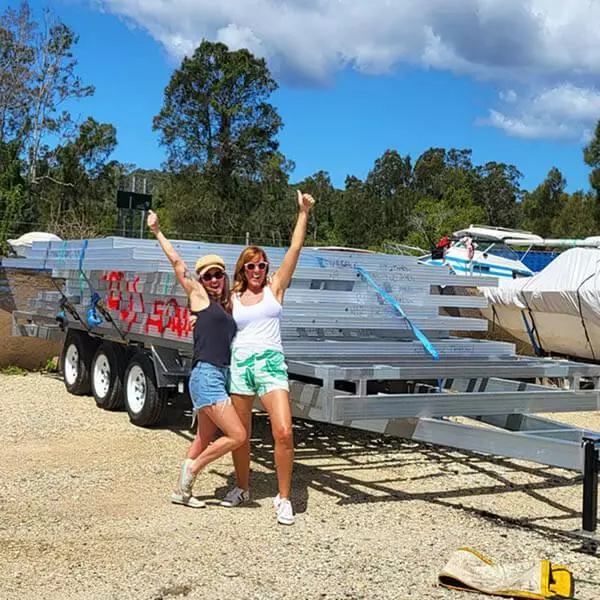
(85, 511)
(17, 287)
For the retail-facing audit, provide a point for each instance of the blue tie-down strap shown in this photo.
(92, 316)
(394, 303)
(82, 253)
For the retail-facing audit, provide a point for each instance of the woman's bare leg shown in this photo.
(225, 417)
(277, 404)
(205, 433)
(241, 455)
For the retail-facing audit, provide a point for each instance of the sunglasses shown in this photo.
(261, 266)
(213, 275)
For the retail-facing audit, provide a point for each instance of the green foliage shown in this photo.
(591, 156)
(432, 219)
(497, 191)
(13, 370)
(578, 216)
(79, 186)
(216, 115)
(541, 207)
(13, 193)
(51, 365)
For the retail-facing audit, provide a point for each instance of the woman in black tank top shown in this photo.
(214, 331)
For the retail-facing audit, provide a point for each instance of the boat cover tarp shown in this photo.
(569, 285)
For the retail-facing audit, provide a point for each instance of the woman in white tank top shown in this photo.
(257, 362)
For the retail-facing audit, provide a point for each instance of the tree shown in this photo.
(428, 172)
(77, 186)
(17, 57)
(541, 207)
(389, 186)
(591, 156)
(216, 117)
(13, 196)
(38, 78)
(497, 192)
(272, 220)
(322, 227)
(433, 218)
(353, 214)
(578, 216)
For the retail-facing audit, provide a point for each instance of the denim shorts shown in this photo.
(209, 385)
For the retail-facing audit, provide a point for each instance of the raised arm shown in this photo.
(283, 275)
(189, 284)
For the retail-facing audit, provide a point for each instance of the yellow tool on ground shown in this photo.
(471, 571)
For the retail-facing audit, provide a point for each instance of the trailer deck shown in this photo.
(354, 359)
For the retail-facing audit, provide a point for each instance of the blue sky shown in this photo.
(357, 83)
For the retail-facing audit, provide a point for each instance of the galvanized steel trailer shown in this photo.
(353, 359)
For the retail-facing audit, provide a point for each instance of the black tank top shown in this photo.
(213, 333)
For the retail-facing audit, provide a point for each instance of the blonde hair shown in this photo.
(240, 281)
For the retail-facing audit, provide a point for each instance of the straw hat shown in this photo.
(210, 261)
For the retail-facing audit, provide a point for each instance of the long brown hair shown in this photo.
(248, 254)
(224, 298)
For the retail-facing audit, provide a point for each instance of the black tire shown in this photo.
(144, 401)
(106, 376)
(75, 360)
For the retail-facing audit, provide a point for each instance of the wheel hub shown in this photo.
(136, 388)
(102, 376)
(71, 365)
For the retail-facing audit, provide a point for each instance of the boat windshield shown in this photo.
(499, 249)
(494, 248)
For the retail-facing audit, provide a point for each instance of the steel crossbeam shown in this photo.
(402, 406)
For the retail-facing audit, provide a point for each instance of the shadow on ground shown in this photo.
(344, 463)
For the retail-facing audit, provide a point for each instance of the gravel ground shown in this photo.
(85, 511)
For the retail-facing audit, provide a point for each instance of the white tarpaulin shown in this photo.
(22, 244)
(562, 302)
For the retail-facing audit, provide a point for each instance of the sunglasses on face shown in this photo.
(213, 275)
(261, 266)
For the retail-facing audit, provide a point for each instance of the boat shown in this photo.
(481, 250)
(556, 311)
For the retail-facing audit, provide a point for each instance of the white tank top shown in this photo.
(258, 326)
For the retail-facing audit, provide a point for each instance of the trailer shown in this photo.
(366, 345)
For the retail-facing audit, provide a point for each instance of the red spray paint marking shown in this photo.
(123, 296)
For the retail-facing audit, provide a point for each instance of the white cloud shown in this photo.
(562, 112)
(545, 51)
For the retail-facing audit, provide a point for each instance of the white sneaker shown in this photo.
(235, 497)
(186, 482)
(285, 512)
(191, 501)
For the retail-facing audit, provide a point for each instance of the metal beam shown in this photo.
(401, 406)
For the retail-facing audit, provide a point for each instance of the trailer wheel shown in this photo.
(144, 401)
(107, 376)
(75, 361)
